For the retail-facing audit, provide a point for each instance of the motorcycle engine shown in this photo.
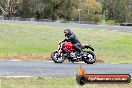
(73, 55)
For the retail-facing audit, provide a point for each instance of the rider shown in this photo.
(71, 37)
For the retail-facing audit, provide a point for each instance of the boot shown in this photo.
(81, 53)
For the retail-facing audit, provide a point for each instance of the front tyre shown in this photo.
(57, 58)
(89, 57)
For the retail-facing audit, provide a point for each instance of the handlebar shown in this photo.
(59, 42)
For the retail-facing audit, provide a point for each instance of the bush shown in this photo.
(91, 17)
(110, 22)
(98, 17)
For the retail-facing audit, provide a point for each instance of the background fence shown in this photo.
(45, 20)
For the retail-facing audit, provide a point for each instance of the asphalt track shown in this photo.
(23, 68)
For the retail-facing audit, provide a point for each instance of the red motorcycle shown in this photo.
(66, 50)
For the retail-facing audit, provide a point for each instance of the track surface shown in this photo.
(22, 68)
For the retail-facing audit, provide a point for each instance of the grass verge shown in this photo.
(36, 42)
(53, 82)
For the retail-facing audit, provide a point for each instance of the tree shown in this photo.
(69, 10)
(9, 7)
(91, 10)
(0, 6)
(59, 9)
(25, 9)
(1, 2)
(116, 10)
(129, 12)
(55, 5)
(37, 6)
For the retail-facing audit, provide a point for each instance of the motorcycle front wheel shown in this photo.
(57, 58)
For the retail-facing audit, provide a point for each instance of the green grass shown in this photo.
(52, 82)
(38, 40)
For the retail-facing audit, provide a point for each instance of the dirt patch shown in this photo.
(99, 61)
(31, 57)
(125, 56)
(25, 57)
(98, 58)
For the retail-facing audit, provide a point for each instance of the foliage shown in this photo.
(91, 10)
(9, 7)
(60, 9)
(25, 11)
(116, 10)
(110, 22)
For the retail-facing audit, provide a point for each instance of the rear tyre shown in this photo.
(89, 57)
(57, 58)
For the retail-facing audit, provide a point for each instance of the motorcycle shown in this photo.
(66, 50)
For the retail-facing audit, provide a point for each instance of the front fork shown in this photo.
(58, 51)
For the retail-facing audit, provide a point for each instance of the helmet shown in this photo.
(67, 32)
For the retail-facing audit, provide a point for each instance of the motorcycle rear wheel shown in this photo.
(57, 58)
(90, 57)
